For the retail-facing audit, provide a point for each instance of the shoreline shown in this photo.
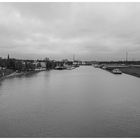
(16, 74)
(130, 70)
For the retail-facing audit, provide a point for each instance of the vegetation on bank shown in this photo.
(5, 72)
(12, 67)
(135, 71)
(118, 62)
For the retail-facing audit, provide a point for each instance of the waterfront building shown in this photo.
(43, 64)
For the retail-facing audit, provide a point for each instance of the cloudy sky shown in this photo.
(91, 31)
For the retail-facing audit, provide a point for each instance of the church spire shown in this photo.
(8, 57)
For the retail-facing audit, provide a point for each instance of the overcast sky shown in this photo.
(91, 31)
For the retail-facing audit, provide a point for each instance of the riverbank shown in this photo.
(134, 71)
(16, 74)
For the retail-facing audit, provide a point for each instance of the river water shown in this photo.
(84, 102)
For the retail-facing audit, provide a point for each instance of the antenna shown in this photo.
(126, 55)
(74, 57)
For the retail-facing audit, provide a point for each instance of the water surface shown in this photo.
(84, 102)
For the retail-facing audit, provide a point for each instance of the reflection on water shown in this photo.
(84, 102)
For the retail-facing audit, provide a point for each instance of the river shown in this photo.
(84, 102)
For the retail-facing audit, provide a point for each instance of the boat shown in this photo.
(104, 67)
(70, 68)
(60, 68)
(116, 71)
(96, 66)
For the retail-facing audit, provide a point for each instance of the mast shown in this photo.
(74, 57)
(126, 55)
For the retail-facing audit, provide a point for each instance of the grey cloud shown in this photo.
(63, 29)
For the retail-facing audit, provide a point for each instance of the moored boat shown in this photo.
(96, 66)
(60, 68)
(116, 71)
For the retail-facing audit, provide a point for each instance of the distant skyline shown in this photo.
(90, 31)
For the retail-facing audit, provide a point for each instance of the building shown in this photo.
(43, 64)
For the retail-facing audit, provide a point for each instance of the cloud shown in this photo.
(89, 30)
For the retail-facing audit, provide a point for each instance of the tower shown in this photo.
(8, 61)
(8, 57)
